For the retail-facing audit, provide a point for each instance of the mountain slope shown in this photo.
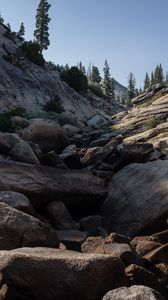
(26, 84)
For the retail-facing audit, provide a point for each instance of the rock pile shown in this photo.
(82, 219)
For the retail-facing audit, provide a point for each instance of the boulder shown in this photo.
(72, 239)
(18, 201)
(162, 236)
(137, 150)
(122, 251)
(117, 238)
(97, 121)
(140, 276)
(22, 152)
(18, 229)
(91, 244)
(43, 273)
(91, 223)
(158, 255)
(7, 141)
(48, 135)
(106, 151)
(143, 247)
(80, 191)
(72, 129)
(60, 217)
(52, 159)
(71, 158)
(135, 292)
(138, 199)
(20, 122)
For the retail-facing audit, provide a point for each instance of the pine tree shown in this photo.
(131, 87)
(42, 19)
(146, 81)
(95, 76)
(1, 19)
(106, 85)
(81, 67)
(152, 78)
(158, 74)
(21, 31)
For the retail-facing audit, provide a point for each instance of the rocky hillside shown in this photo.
(26, 84)
(83, 209)
(120, 91)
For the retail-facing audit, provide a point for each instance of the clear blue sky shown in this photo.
(131, 34)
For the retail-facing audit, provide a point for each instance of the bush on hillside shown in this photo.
(95, 88)
(6, 124)
(32, 51)
(75, 78)
(54, 105)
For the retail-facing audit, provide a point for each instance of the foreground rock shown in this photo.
(55, 274)
(18, 229)
(138, 199)
(77, 189)
(135, 292)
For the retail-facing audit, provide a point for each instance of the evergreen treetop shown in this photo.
(42, 20)
(106, 85)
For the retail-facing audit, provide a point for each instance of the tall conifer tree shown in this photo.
(107, 86)
(146, 81)
(96, 78)
(21, 31)
(42, 20)
(131, 87)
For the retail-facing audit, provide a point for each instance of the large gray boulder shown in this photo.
(18, 229)
(138, 198)
(47, 274)
(135, 292)
(77, 189)
(48, 135)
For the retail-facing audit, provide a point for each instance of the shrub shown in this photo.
(5, 118)
(95, 88)
(54, 105)
(75, 78)
(153, 122)
(32, 51)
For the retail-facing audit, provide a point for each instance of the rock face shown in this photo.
(18, 229)
(26, 84)
(138, 196)
(135, 292)
(76, 189)
(66, 274)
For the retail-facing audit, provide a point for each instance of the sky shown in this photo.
(131, 34)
